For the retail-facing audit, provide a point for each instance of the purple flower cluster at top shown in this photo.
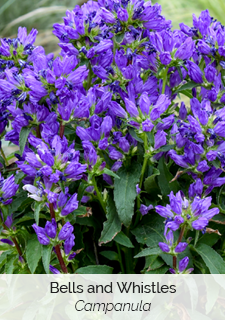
(113, 89)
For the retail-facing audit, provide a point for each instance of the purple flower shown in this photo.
(179, 160)
(131, 108)
(43, 239)
(72, 256)
(165, 58)
(160, 139)
(68, 244)
(161, 106)
(221, 51)
(147, 126)
(71, 205)
(183, 264)
(9, 221)
(66, 231)
(8, 187)
(194, 72)
(165, 212)
(106, 126)
(114, 154)
(51, 228)
(200, 223)
(116, 166)
(203, 47)
(203, 166)
(185, 51)
(103, 144)
(182, 111)
(107, 16)
(181, 247)
(124, 144)
(54, 270)
(122, 14)
(7, 241)
(144, 103)
(138, 190)
(144, 209)
(210, 73)
(164, 247)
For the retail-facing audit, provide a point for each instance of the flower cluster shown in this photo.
(114, 93)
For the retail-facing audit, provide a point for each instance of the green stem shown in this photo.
(196, 237)
(143, 168)
(129, 256)
(164, 80)
(178, 241)
(4, 157)
(99, 196)
(120, 258)
(38, 132)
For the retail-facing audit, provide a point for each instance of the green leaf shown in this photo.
(9, 267)
(81, 189)
(17, 202)
(150, 183)
(125, 192)
(33, 252)
(111, 173)
(150, 232)
(37, 209)
(212, 259)
(119, 37)
(148, 252)
(24, 133)
(164, 179)
(5, 211)
(2, 161)
(161, 270)
(111, 255)
(166, 148)
(153, 262)
(3, 257)
(122, 239)
(188, 86)
(19, 177)
(187, 93)
(112, 226)
(46, 256)
(180, 73)
(209, 239)
(95, 270)
(134, 135)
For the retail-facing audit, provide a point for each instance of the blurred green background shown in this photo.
(41, 14)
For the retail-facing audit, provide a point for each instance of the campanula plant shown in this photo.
(121, 144)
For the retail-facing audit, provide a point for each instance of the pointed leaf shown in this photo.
(125, 192)
(188, 86)
(148, 252)
(46, 257)
(111, 173)
(33, 252)
(122, 239)
(112, 226)
(211, 258)
(95, 270)
(164, 179)
(24, 133)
